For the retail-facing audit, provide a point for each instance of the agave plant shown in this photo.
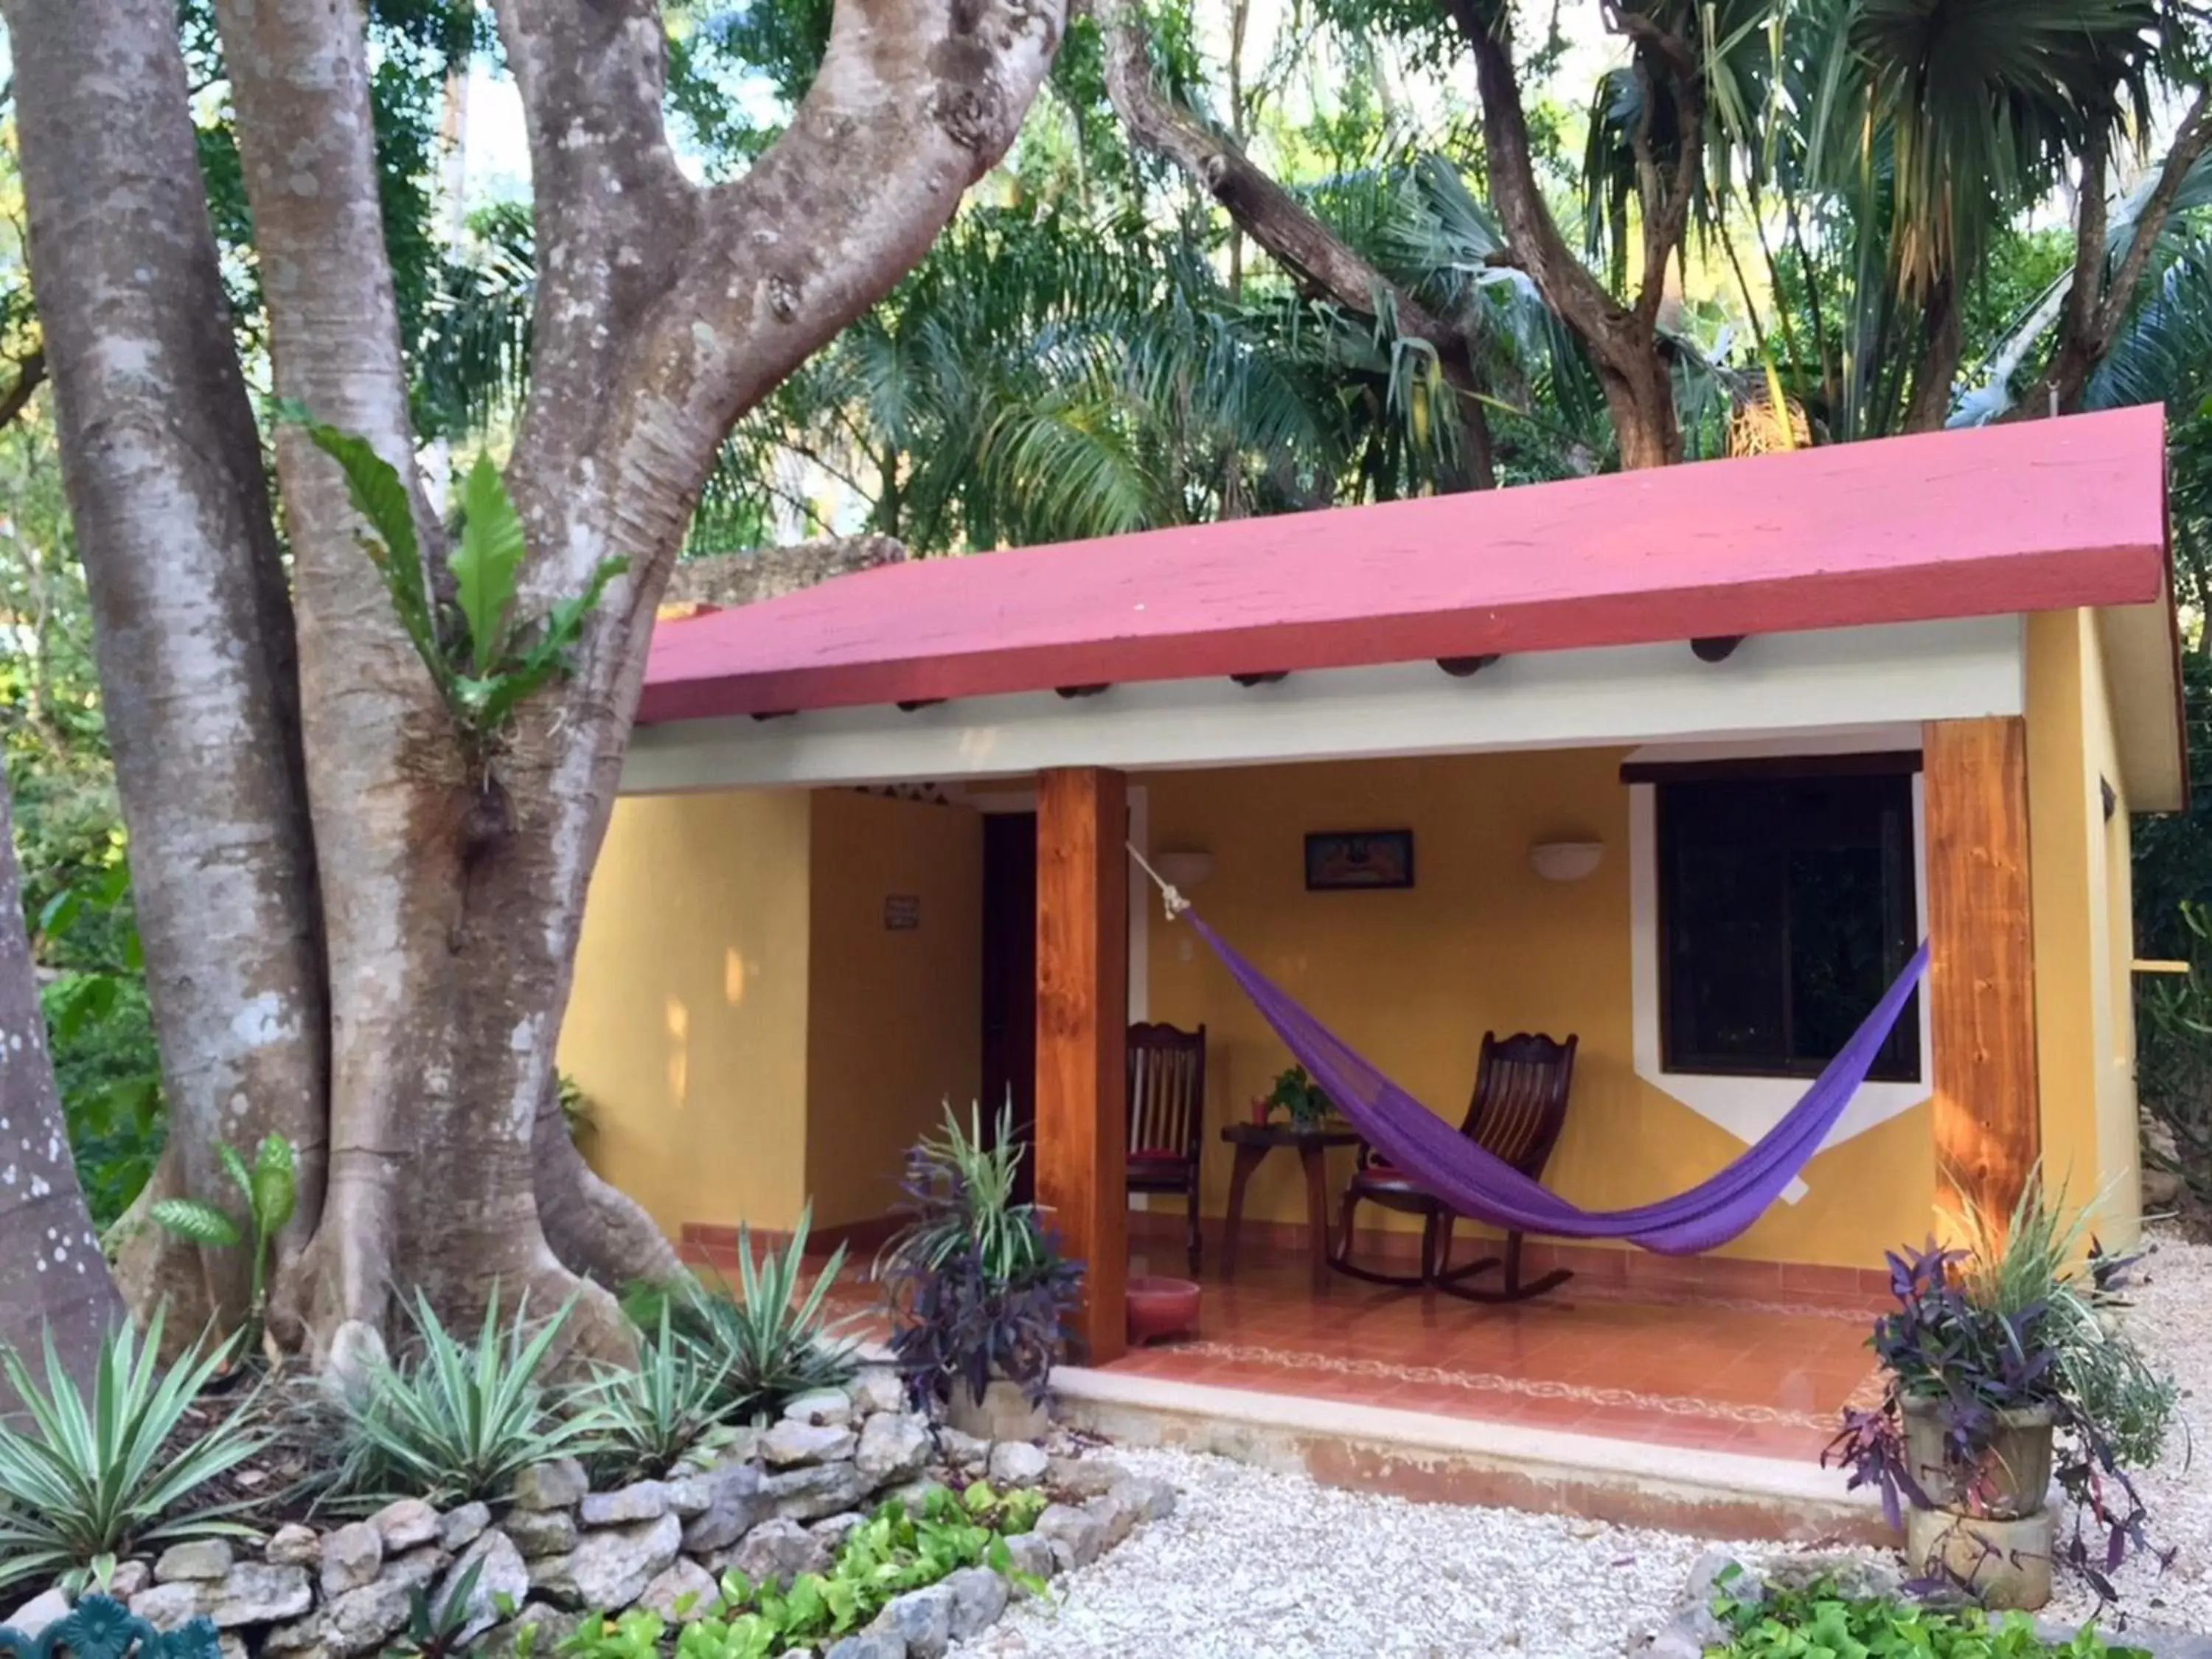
(649, 1415)
(86, 1480)
(455, 1425)
(271, 1191)
(771, 1334)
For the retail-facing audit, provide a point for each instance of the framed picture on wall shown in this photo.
(1349, 860)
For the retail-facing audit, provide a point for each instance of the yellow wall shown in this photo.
(2084, 936)
(1413, 979)
(896, 1016)
(687, 1024)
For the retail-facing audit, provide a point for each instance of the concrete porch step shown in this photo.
(1437, 1459)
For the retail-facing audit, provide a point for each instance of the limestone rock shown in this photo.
(961, 1450)
(405, 1524)
(500, 1576)
(735, 1504)
(300, 1636)
(362, 1621)
(1032, 1556)
(542, 1532)
(790, 1443)
(644, 1500)
(128, 1579)
(254, 1593)
(833, 1530)
(351, 1557)
(893, 1447)
(293, 1545)
(417, 1567)
(609, 1568)
(47, 1607)
(870, 1644)
(1077, 1536)
(458, 1529)
(1085, 1477)
(202, 1561)
(169, 1606)
(823, 1408)
(1016, 1463)
(689, 1495)
(1152, 1498)
(777, 1552)
(921, 1619)
(559, 1484)
(810, 1493)
(743, 578)
(979, 1596)
(915, 1496)
(877, 1388)
(687, 1591)
(230, 1646)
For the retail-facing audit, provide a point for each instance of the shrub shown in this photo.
(1798, 1623)
(87, 1479)
(979, 1288)
(2023, 1318)
(649, 1415)
(454, 1425)
(888, 1554)
(771, 1338)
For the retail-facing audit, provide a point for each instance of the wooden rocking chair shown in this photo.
(1519, 1107)
(1167, 1115)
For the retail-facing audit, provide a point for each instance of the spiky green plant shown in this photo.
(771, 1334)
(271, 1191)
(453, 1423)
(650, 1414)
(87, 1479)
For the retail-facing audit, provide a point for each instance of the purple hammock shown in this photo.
(1475, 1183)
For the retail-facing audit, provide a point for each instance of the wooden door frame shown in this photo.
(1143, 901)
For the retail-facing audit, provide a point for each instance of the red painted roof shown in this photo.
(2040, 515)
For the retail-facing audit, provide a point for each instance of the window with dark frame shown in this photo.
(1786, 909)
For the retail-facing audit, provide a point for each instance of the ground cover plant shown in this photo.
(893, 1551)
(1820, 1622)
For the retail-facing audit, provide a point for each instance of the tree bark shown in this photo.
(450, 895)
(53, 1279)
(1316, 258)
(193, 629)
(1622, 340)
(2096, 304)
(1943, 342)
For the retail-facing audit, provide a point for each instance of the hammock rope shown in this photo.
(1475, 1183)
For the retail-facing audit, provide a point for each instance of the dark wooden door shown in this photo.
(1010, 975)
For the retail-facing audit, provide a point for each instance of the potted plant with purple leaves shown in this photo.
(2005, 1366)
(979, 1291)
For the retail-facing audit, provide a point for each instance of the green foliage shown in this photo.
(2173, 1014)
(433, 1631)
(888, 1554)
(978, 1172)
(270, 1190)
(83, 1480)
(454, 1425)
(1299, 1098)
(1819, 1622)
(647, 1416)
(484, 665)
(771, 1339)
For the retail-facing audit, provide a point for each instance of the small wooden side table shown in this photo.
(1253, 1142)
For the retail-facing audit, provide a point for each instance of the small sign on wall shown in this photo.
(903, 913)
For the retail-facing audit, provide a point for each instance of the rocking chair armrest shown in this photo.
(1366, 1156)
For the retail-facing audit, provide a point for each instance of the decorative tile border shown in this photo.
(1666, 1405)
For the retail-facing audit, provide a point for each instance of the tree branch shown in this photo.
(2190, 141)
(1319, 260)
(30, 375)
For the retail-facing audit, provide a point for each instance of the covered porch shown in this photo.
(1971, 632)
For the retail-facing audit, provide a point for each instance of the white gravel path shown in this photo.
(1263, 1566)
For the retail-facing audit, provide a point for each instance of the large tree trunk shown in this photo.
(53, 1279)
(192, 626)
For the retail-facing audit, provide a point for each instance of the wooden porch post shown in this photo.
(1082, 1015)
(1981, 980)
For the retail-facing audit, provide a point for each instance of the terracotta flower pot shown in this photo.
(2009, 1480)
(1161, 1307)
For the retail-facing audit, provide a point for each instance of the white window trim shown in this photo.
(1749, 1107)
